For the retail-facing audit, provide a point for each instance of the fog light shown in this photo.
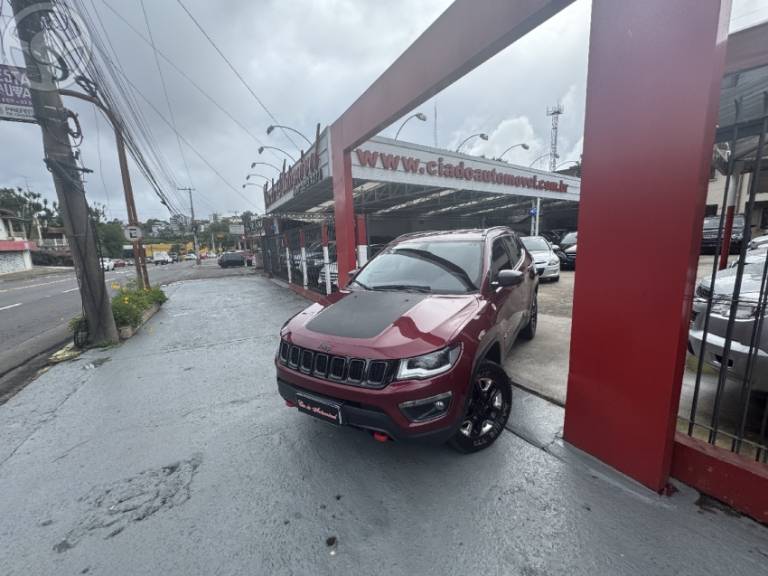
(427, 408)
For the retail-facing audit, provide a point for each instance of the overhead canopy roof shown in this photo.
(399, 178)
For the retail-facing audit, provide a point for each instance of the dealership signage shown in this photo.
(310, 169)
(15, 96)
(390, 161)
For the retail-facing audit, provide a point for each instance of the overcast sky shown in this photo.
(307, 61)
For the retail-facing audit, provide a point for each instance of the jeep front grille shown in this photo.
(353, 371)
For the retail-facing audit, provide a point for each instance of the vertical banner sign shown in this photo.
(15, 98)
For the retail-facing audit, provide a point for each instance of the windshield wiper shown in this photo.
(363, 286)
(405, 287)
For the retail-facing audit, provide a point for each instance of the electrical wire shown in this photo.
(165, 92)
(189, 79)
(234, 70)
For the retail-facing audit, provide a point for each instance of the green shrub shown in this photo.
(130, 303)
(126, 313)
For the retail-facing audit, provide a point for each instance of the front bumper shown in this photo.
(738, 356)
(378, 410)
(548, 271)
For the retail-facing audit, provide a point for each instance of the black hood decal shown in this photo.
(363, 314)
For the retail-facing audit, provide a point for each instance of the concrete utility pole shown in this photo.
(142, 276)
(194, 226)
(52, 117)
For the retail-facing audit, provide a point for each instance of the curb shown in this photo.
(126, 332)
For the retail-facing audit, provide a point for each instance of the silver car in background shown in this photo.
(546, 261)
(747, 320)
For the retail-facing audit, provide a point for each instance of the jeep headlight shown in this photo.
(429, 365)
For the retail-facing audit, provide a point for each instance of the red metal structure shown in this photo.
(657, 65)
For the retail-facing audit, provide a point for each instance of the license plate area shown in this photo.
(319, 408)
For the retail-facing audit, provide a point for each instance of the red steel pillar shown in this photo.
(362, 240)
(344, 209)
(652, 98)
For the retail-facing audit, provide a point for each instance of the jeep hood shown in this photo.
(382, 324)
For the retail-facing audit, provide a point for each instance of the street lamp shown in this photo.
(540, 157)
(248, 177)
(262, 148)
(254, 164)
(271, 128)
(418, 116)
(522, 145)
(251, 184)
(482, 135)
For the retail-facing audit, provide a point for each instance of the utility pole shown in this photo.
(52, 117)
(194, 226)
(140, 261)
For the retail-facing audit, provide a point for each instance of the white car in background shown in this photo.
(107, 264)
(546, 261)
(759, 243)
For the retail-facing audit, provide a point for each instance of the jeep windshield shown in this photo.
(442, 267)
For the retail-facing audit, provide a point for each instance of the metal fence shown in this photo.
(298, 256)
(725, 388)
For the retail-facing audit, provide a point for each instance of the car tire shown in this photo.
(529, 332)
(488, 409)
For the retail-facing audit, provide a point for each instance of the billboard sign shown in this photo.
(236, 229)
(15, 97)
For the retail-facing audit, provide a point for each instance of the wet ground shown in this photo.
(173, 454)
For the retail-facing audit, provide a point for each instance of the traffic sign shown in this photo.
(132, 233)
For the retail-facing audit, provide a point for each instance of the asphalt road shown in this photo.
(173, 454)
(35, 311)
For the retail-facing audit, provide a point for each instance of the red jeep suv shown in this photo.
(413, 346)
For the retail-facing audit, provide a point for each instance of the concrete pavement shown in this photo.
(36, 306)
(173, 454)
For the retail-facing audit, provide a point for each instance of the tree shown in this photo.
(112, 238)
(29, 205)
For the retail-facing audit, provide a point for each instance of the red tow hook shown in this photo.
(290, 404)
(381, 437)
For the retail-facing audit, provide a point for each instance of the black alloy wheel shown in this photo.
(488, 411)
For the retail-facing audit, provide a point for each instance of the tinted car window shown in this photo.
(443, 266)
(499, 257)
(570, 238)
(515, 250)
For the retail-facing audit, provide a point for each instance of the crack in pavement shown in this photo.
(45, 417)
(113, 507)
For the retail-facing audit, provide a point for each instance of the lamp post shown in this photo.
(251, 184)
(248, 177)
(262, 148)
(540, 157)
(254, 164)
(482, 135)
(417, 115)
(272, 127)
(522, 145)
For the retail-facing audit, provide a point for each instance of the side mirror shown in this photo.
(507, 278)
(555, 247)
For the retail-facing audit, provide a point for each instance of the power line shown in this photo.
(197, 153)
(234, 70)
(186, 76)
(165, 91)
